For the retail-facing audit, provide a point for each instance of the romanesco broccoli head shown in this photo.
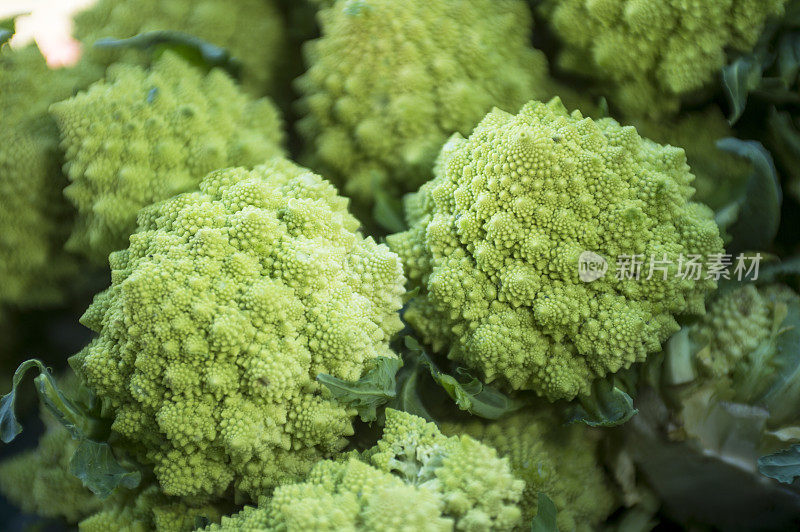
(389, 81)
(221, 313)
(39, 481)
(141, 136)
(34, 219)
(745, 350)
(147, 510)
(496, 238)
(653, 53)
(251, 30)
(558, 460)
(349, 495)
(719, 174)
(415, 478)
(479, 490)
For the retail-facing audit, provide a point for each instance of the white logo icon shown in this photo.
(591, 266)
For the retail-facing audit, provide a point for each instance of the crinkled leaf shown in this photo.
(546, 513)
(94, 463)
(760, 204)
(783, 466)
(191, 48)
(739, 79)
(606, 406)
(367, 394)
(409, 397)
(468, 392)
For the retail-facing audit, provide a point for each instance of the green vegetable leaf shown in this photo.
(376, 388)
(789, 58)
(545, 519)
(468, 392)
(606, 406)
(783, 466)
(739, 79)
(388, 212)
(772, 272)
(759, 207)
(408, 396)
(94, 463)
(193, 49)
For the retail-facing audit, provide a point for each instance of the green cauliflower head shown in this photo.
(415, 478)
(653, 53)
(252, 31)
(141, 136)
(496, 239)
(221, 313)
(34, 219)
(558, 460)
(389, 81)
(745, 350)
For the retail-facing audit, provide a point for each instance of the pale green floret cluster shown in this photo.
(261, 282)
(148, 510)
(415, 478)
(39, 481)
(34, 218)
(252, 31)
(653, 53)
(389, 81)
(558, 460)
(496, 238)
(141, 136)
(739, 350)
(718, 173)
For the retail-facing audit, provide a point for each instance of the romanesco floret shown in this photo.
(221, 313)
(148, 510)
(389, 81)
(415, 478)
(719, 174)
(558, 460)
(39, 481)
(142, 136)
(34, 218)
(653, 53)
(251, 30)
(496, 238)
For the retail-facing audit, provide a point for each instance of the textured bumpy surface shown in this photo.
(496, 237)
(221, 313)
(148, 510)
(34, 218)
(653, 52)
(389, 81)
(559, 461)
(418, 479)
(141, 136)
(718, 173)
(251, 30)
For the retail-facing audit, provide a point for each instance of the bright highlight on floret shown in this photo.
(34, 218)
(389, 81)
(558, 460)
(251, 30)
(652, 53)
(141, 136)
(415, 478)
(496, 238)
(222, 312)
